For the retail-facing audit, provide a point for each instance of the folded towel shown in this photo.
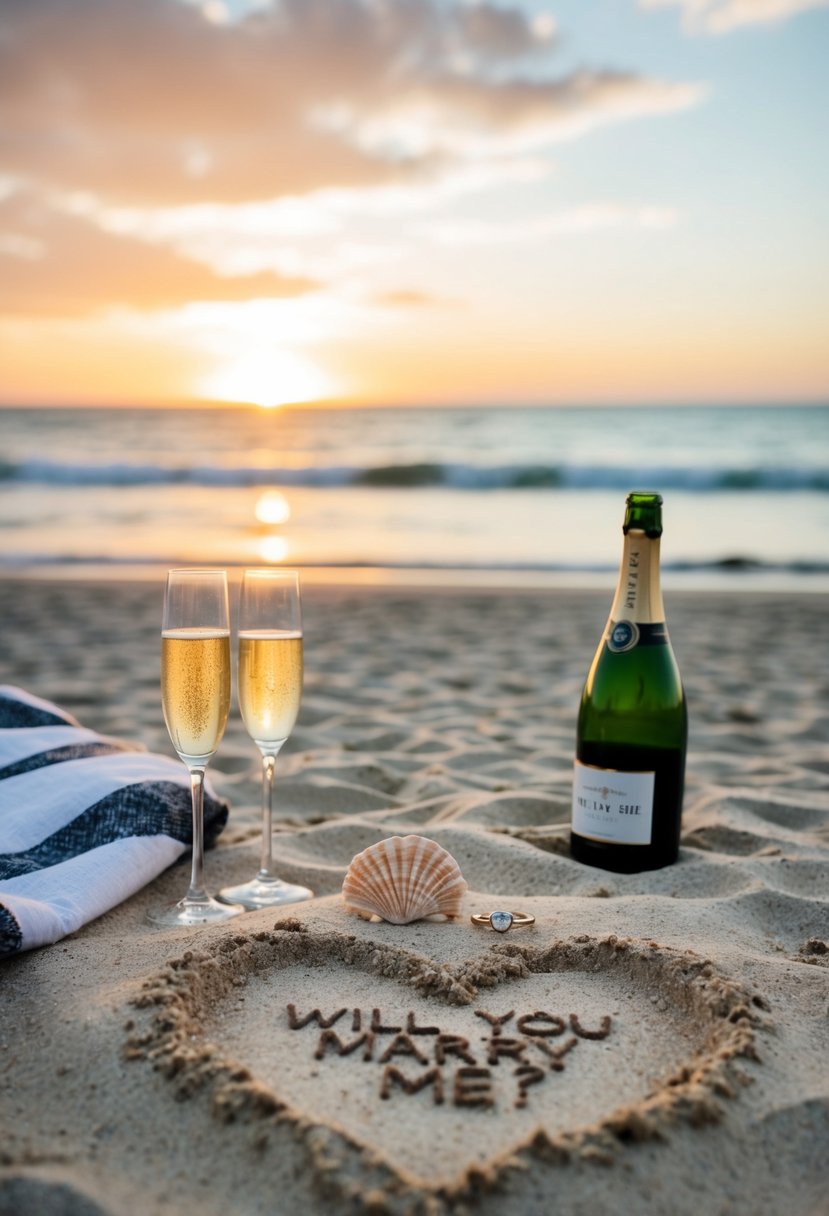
(85, 821)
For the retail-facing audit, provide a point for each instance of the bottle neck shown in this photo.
(639, 592)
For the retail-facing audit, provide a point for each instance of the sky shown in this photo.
(413, 201)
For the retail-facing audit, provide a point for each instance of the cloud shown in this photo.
(152, 103)
(462, 118)
(587, 219)
(53, 263)
(161, 152)
(407, 298)
(723, 16)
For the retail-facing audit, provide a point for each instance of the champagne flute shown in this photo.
(195, 696)
(270, 689)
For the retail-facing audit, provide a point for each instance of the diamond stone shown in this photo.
(501, 921)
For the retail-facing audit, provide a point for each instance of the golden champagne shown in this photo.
(195, 689)
(270, 683)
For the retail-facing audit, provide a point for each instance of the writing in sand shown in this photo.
(513, 1054)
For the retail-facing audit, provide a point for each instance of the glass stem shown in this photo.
(196, 890)
(268, 766)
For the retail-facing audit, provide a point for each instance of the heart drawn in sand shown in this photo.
(423, 1079)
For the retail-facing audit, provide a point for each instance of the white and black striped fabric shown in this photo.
(85, 821)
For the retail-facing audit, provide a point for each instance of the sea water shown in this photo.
(506, 495)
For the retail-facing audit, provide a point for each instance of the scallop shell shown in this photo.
(404, 878)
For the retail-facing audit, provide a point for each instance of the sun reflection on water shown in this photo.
(273, 549)
(272, 507)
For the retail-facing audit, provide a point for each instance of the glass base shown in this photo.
(265, 892)
(206, 911)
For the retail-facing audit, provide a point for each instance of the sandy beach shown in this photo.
(654, 1043)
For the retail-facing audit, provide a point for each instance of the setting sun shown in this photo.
(268, 378)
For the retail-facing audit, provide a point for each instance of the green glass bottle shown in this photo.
(633, 723)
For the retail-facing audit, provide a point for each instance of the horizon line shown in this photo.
(335, 403)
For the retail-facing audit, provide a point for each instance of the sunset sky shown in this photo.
(413, 201)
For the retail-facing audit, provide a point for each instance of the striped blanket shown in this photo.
(85, 821)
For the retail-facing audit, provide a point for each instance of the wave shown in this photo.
(424, 474)
(716, 566)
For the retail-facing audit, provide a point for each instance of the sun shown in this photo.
(268, 378)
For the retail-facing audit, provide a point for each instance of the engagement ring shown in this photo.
(501, 921)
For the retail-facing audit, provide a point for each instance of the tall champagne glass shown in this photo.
(195, 695)
(270, 690)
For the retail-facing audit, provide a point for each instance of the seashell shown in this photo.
(402, 879)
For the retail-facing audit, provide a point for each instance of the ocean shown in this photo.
(522, 496)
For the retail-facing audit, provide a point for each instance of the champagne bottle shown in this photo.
(632, 724)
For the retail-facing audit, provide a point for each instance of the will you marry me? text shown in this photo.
(425, 1057)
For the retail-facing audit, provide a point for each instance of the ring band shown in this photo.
(501, 921)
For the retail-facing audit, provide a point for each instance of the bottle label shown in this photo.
(611, 805)
(624, 635)
(638, 596)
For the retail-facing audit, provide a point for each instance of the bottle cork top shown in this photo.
(643, 513)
